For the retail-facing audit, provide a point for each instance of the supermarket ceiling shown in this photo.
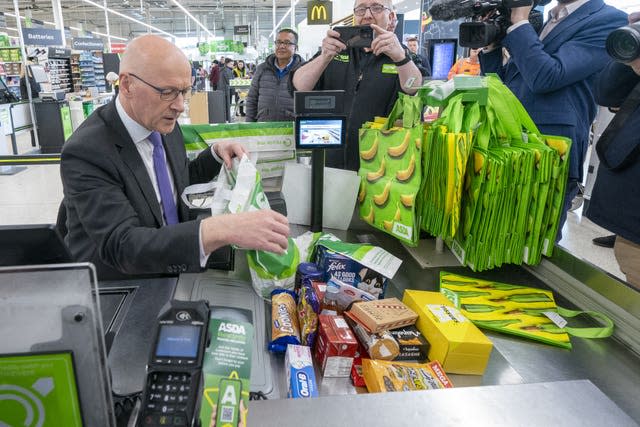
(218, 16)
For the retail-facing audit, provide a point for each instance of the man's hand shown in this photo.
(520, 14)
(226, 150)
(386, 42)
(331, 44)
(264, 230)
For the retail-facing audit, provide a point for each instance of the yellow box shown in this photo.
(459, 346)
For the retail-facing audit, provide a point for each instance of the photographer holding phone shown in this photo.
(371, 76)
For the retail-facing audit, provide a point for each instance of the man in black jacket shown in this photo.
(615, 200)
(270, 96)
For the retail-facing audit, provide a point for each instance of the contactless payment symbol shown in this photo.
(183, 316)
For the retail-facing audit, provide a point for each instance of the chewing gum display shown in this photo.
(379, 346)
(383, 376)
(308, 309)
(336, 346)
(301, 379)
(284, 321)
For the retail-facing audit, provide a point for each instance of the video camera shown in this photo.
(623, 44)
(490, 18)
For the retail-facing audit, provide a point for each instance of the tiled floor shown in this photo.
(33, 195)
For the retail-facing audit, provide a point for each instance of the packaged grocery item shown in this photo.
(307, 270)
(336, 346)
(356, 373)
(382, 315)
(363, 266)
(284, 321)
(379, 346)
(413, 345)
(308, 309)
(301, 379)
(383, 376)
(330, 300)
(455, 342)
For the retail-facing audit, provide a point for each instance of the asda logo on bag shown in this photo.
(402, 230)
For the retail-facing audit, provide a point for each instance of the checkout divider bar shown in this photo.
(30, 159)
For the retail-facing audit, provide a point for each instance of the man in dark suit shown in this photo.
(553, 73)
(124, 168)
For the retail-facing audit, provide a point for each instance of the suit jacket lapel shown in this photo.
(131, 157)
(563, 26)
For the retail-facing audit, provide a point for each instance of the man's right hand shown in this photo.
(264, 230)
(331, 44)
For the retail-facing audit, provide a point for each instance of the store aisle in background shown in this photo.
(33, 196)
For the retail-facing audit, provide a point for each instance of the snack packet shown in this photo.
(284, 321)
(308, 309)
(383, 376)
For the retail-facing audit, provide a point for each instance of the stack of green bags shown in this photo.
(492, 184)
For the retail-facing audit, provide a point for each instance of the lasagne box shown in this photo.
(413, 345)
(382, 315)
(336, 346)
(455, 342)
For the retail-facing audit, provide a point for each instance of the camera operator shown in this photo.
(371, 77)
(615, 200)
(553, 74)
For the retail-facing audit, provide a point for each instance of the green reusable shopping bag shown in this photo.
(518, 310)
(390, 171)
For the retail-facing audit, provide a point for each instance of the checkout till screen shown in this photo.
(178, 341)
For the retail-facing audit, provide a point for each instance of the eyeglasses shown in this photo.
(285, 43)
(167, 94)
(375, 9)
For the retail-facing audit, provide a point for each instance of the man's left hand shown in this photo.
(227, 150)
(387, 42)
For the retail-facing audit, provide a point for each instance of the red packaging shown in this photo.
(356, 369)
(335, 346)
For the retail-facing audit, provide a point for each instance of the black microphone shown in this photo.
(448, 10)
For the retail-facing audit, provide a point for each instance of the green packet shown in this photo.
(227, 374)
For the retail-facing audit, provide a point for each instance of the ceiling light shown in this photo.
(283, 18)
(192, 17)
(127, 17)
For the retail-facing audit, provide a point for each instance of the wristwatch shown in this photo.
(406, 59)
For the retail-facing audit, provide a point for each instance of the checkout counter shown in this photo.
(526, 382)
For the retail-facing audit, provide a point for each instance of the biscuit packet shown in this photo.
(284, 321)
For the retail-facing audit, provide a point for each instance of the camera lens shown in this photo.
(623, 44)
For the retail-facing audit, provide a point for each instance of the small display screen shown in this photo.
(320, 132)
(444, 55)
(178, 341)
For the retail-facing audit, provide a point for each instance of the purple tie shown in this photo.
(162, 178)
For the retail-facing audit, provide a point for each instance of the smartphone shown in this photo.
(356, 36)
(228, 404)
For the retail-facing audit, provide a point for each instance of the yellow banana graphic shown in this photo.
(381, 199)
(369, 217)
(418, 143)
(406, 174)
(362, 192)
(396, 217)
(399, 150)
(370, 154)
(559, 145)
(374, 176)
(388, 225)
(407, 200)
(478, 161)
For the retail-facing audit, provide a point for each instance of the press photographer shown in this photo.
(615, 201)
(553, 73)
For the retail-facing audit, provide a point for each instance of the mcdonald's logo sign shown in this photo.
(319, 12)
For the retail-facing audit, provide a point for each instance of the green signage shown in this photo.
(38, 390)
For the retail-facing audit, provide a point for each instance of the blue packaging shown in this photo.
(350, 272)
(301, 379)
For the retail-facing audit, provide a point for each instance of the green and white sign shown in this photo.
(39, 391)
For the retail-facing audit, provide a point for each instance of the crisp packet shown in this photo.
(308, 309)
(284, 321)
(383, 376)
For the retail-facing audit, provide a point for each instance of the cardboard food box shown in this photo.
(459, 346)
(413, 345)
(382, 315)
(336, 346)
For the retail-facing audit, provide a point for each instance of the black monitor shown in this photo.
(31, 245)
(442, 54)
